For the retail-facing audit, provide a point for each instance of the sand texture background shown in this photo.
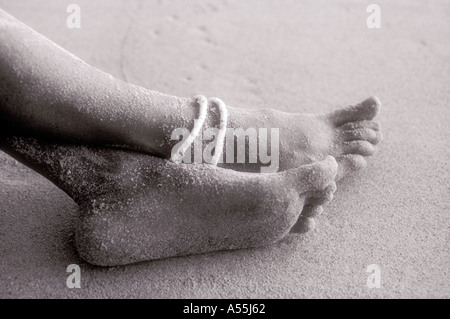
(297, 56)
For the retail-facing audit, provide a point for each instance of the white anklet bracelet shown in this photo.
(220, 139)
(198, 124)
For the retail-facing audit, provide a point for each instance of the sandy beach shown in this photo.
(296, 56)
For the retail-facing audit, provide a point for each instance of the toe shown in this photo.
(316, 176)
(365, 110)
(312, 211)
(350, 163)
(373, 125)
(303, 225)
(364, 135)
(313, 207)
(321, 197)
(358, 147)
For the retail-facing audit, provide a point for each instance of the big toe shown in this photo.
(365, 110)
(320, 197)
(317, 176)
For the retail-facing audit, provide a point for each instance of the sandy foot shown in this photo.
(135, 207)
(349, 134)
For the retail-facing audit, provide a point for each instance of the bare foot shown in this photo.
(349, 134)
(136, 207)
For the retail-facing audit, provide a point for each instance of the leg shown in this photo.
(47, 91)
(136, 207)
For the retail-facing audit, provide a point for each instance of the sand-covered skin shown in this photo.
(135, 207)
(299, 57)
(46, 91)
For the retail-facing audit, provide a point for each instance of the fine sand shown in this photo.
(297, 56)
